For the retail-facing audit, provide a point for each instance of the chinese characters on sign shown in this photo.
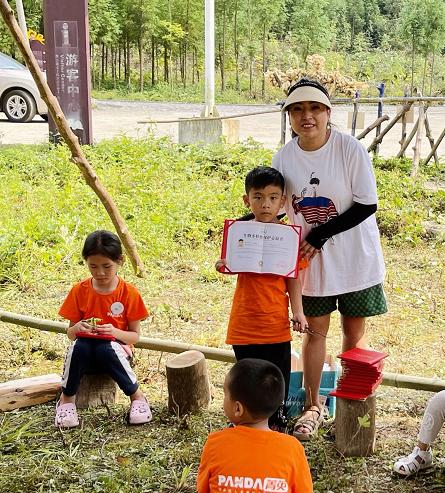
(66, 32)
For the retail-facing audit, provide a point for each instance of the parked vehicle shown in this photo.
(19, 97)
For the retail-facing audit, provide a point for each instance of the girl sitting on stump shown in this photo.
(106, 346)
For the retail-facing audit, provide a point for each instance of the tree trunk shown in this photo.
(263, 81)
(432, 73)
(102, 63)
(141, 65)
(128, 64)
(166, 75)
(26, 392)
(353, 439)
(96, 390)
(153, 55)
(236, 47)
(222, 50)
(188, 383)
(93, 61)
(412, 66)
(119, 63)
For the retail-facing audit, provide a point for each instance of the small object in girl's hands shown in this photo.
(92, 321)
(94, 334)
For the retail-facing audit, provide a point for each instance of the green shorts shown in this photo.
(365, 303)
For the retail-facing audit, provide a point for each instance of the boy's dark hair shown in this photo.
(262, 176)
(258, 384)
(103, 243)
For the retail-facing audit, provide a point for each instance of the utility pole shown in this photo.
(210, 109)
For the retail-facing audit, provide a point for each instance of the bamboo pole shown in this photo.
(217, 354)
(144, 342)
(77, 155)
(371, 127)
(436, 145)
(379, 137)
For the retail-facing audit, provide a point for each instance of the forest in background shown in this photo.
(140, 45)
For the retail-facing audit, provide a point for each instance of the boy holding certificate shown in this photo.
(259, 320)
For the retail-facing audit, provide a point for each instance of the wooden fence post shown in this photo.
(381, 88)
(418, 144)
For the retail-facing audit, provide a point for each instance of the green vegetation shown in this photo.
(156, 47)
(174, 199)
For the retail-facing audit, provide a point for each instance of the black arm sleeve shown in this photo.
(356, 214)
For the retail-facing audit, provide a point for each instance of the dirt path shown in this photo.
(112, 118)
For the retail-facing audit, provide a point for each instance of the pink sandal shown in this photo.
(66, 415)
(140, 413)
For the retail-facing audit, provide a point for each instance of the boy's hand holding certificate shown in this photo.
(263, 248)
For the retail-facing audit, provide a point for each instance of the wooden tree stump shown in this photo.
(25, 392)
(96, 390)
(355, 437)
(188, 383)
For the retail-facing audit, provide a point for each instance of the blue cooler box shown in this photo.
(296, 397)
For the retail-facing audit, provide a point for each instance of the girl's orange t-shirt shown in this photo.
(260, 310)
(121, 306)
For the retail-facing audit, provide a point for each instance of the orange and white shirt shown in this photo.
(121, 306)
(247, 460)
(260, 310)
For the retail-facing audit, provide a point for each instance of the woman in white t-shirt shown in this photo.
(331, 193)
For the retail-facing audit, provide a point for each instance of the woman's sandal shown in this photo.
(310, 424)
(414, 462)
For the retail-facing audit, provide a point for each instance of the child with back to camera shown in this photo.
(259, 320)
(250, 456)
(105, 346)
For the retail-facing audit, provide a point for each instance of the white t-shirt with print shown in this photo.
(320, 185)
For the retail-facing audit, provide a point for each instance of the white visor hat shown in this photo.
(306, 93)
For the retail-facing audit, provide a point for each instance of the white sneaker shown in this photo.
(414, 462)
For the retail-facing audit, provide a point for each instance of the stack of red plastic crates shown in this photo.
(361, 374)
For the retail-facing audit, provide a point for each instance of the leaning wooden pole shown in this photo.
(378, 122)
(77, 155)
(217, 354)
(379, 137)
(436, 145)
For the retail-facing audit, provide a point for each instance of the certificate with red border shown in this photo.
(261, 248)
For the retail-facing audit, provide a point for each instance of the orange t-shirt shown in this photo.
(247, 460)
(260, 310)
(119, 307)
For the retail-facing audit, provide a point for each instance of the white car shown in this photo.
(19, 97)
